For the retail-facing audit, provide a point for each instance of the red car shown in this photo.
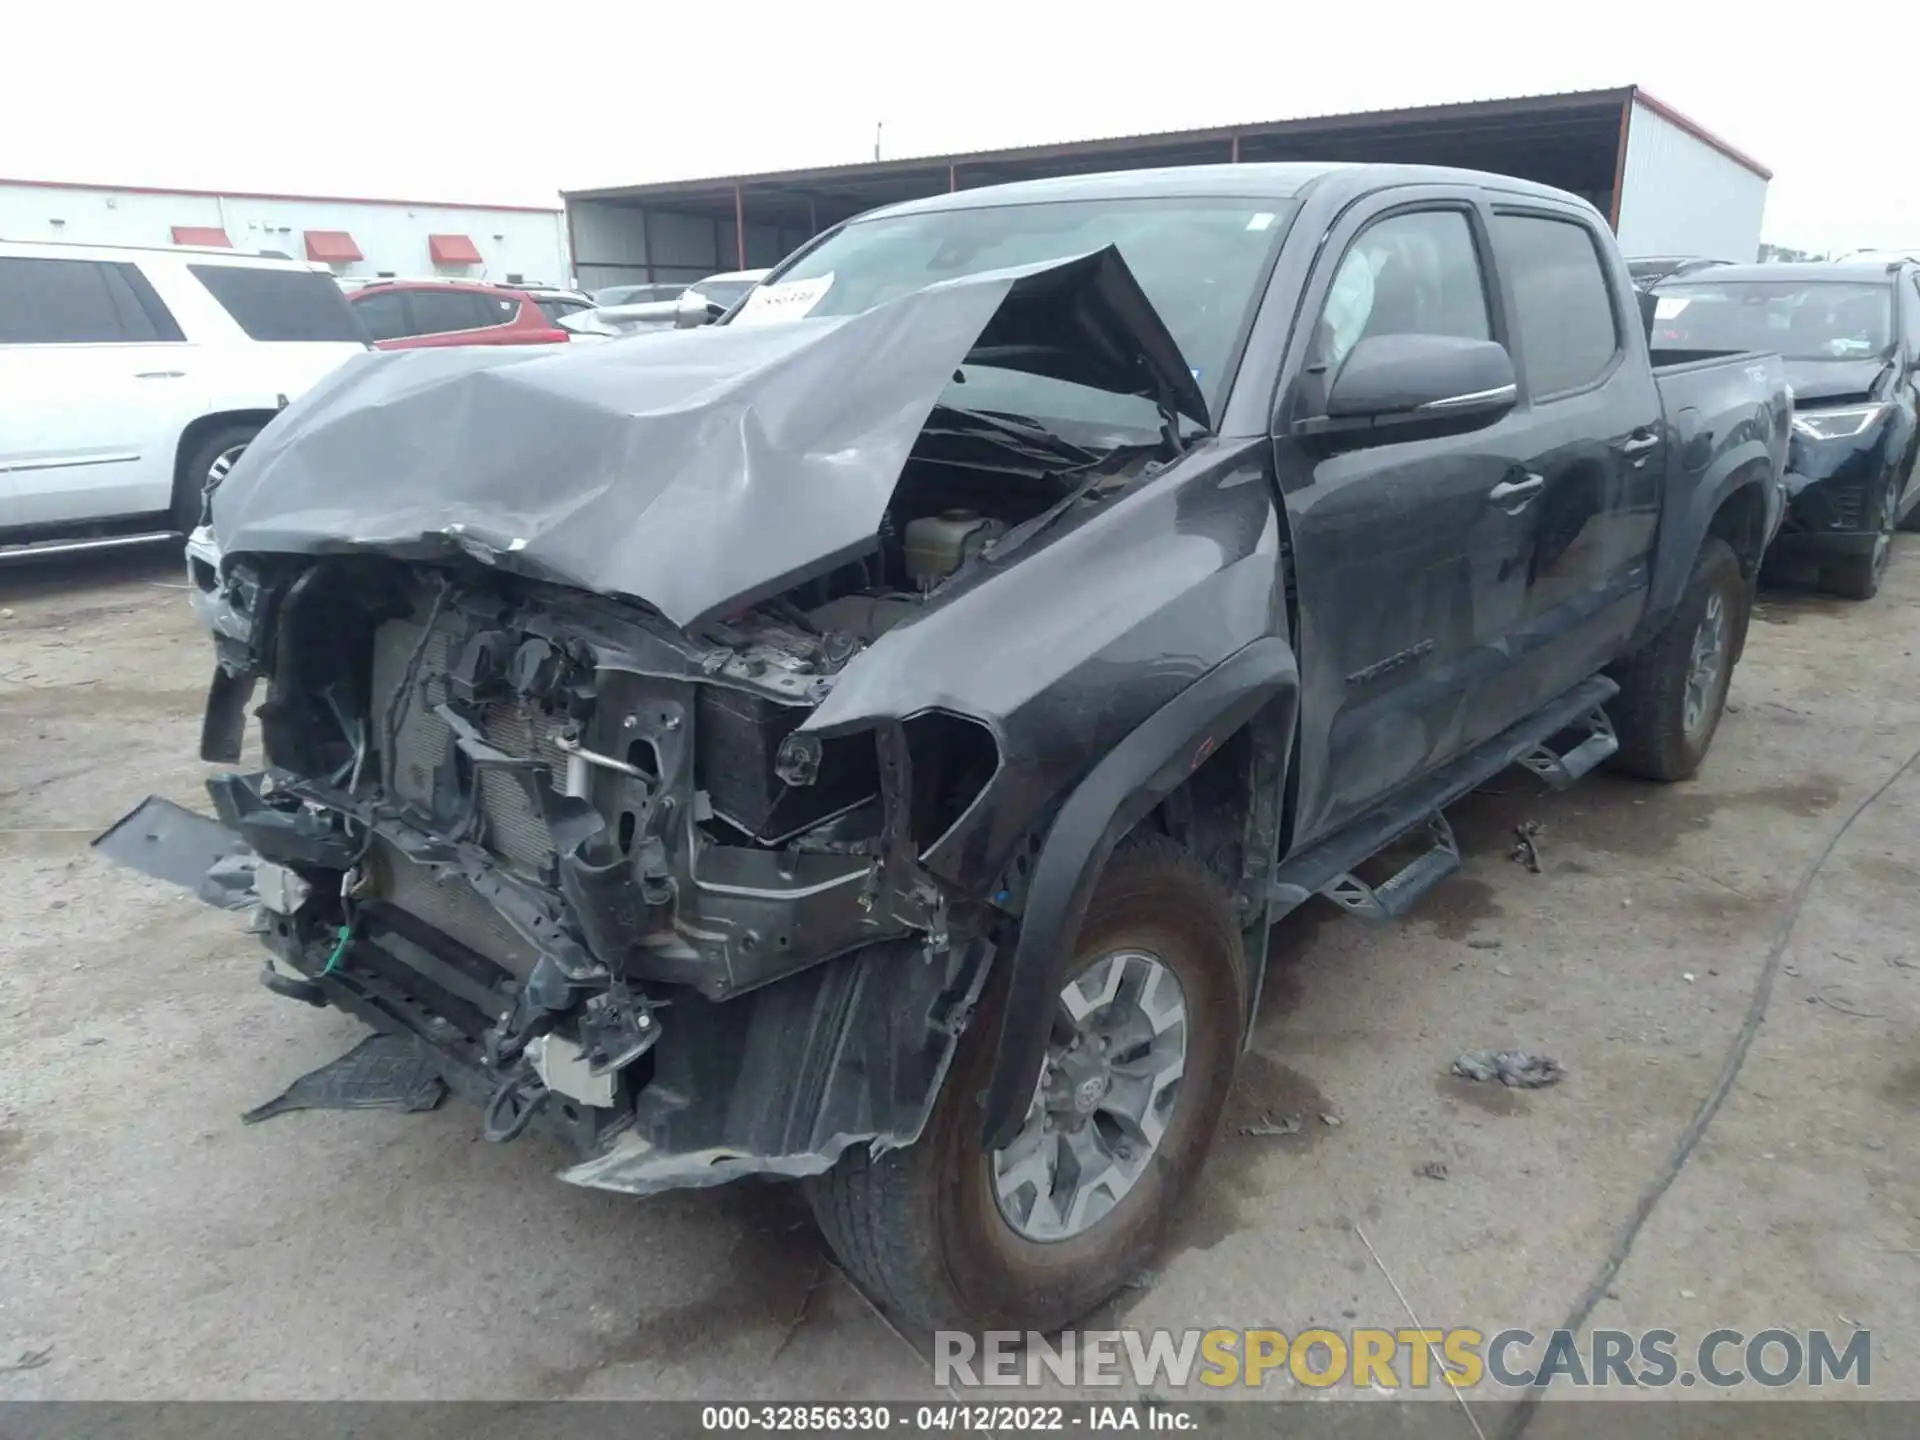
(421, 314)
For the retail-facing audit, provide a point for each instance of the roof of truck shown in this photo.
(1271, 181)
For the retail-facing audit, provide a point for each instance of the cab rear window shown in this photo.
(290, 305)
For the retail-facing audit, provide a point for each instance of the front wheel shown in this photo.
(1859, 576)
(205, 468)
(1673, 691)
(1145, 1036)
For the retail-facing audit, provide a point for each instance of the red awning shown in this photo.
(332, 247)
(452, 250)
(200, 235)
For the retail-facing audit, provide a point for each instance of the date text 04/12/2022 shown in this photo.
(950, 1418)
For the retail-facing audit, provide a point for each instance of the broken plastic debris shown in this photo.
(1517, 1069)
(1285, 1125)
(1525, 851)
(382, 1072)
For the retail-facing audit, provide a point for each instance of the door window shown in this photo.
(1410, 274)
(280, 304)
(438, 312)
(1563, 305)
(145, 314)
(384, 313)
(75, 302)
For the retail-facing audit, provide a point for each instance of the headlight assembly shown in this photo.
(1843, 424)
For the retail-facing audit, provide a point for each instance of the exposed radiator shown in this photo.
(454, 908)
(514, 829)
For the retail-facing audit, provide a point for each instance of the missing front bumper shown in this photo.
(779, 1081)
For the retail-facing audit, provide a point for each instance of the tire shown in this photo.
(189, 489)
(1858, 577)
(1650, 712)
(1911, 522)
(922, 1230)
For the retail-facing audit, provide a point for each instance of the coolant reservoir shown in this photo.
(937, 545)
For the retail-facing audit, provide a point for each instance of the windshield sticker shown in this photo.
(1669, 306)
(776, 304)
(1260, 221)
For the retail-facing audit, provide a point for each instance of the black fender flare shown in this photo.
(1136, 775)
(1684, 527)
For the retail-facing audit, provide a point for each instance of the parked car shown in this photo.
(429, 314)
(868, 742)
(555, 303)
(723, 291)
(1850, 333)
(1898, 255)
(132, 378)
(639, 294)
(695, 305)
(1650, 270)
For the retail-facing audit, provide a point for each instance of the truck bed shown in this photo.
(1670, 360)
(1708, 393)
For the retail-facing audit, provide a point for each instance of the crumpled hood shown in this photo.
(696, 470)
(1830, 382)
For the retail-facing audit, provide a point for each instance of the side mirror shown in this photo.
(1397, 387)
(691, 311)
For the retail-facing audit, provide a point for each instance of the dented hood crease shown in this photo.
(694, 470)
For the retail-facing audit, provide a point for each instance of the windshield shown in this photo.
(1201, 261)
(1801, 319)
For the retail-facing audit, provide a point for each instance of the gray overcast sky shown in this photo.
(428, 100)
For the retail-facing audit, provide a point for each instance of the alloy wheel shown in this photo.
(1889, 522)
(222, 464)
(1103, 1100)
(1705, 664)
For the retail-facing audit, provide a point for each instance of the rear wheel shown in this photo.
(1146, 1034)
(1673, 691)
(206, 467)
(1859, 576)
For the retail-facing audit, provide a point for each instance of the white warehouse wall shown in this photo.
(392, 235)
(1681, 196)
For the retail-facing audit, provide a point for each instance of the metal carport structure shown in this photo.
(1666, 183)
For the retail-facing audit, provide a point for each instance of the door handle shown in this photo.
(160, 375)
(1521, 491)
(1638, 441)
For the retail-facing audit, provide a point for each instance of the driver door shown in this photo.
(1410, 556)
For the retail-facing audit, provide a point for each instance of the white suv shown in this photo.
(130, 380)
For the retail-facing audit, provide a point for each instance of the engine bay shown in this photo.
(967, 494)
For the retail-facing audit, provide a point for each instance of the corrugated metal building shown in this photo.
(350, 236)
(1668, 185)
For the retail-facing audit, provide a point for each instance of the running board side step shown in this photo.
(1394, 897)
(1326, 866)
(1560, 771)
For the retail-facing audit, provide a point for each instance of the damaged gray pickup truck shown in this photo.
(866, 740)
